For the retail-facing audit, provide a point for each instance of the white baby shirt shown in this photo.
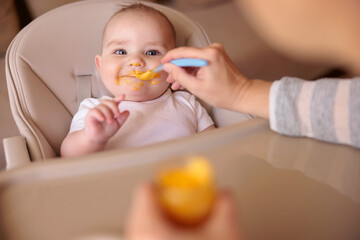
(172, 115)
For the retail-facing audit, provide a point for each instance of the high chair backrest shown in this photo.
(50, 67)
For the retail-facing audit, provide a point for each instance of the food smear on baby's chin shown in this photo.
(137, 86)
(153, 78)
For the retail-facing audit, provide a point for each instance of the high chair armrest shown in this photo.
(16, 153)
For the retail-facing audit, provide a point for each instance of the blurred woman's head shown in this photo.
(317, 30)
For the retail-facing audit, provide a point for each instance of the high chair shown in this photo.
(50, 69)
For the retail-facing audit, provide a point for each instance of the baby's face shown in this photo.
(133, 43)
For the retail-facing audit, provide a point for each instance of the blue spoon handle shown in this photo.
(185, 62)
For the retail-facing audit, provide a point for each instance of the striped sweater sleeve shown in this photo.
(326, 109)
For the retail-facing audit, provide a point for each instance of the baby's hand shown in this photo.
(104, 120)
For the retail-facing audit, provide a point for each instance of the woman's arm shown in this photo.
(326, 109)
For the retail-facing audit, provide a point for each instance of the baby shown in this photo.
(141, 111)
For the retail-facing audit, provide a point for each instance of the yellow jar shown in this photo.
(187, 192)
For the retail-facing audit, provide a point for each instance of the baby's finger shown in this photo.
(123, 117)
(118, 99)
(112, 105)
(96, 115)
(107, 113)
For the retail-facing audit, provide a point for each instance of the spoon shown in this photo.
(184, 62)
(181, 62)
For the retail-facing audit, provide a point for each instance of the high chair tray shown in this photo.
(286, 188)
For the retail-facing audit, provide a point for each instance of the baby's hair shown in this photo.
(142, 8)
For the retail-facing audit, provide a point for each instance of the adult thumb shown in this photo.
(224, 219)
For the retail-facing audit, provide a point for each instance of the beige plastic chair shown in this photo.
(50, 69)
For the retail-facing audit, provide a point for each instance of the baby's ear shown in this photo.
(98, 62)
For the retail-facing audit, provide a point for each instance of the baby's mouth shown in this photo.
(144, 76)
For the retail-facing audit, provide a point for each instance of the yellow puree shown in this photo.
(187, 193)
(143, 76)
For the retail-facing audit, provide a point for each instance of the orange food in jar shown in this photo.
(186, 193)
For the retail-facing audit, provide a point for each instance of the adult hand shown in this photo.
(104, 120)
(219, 83)
(147, 221)
(211, 83)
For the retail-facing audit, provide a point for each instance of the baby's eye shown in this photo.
(152, 52)
(120, 52)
